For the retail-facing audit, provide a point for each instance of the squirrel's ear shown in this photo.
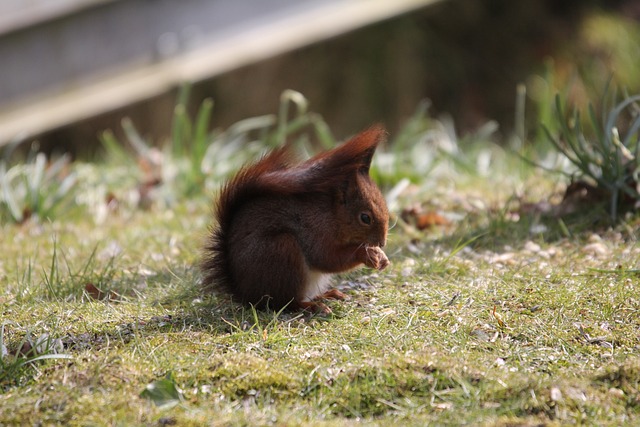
(366, 143)
(343, 162)
(363, 161)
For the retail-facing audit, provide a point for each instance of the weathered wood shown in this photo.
(67, 60)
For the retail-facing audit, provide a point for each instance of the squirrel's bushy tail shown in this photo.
(244, 186)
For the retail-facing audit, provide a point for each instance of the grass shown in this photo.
(610, 157)
(35, 187)
(500, 318)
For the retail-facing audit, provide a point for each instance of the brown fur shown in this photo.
(282, 224)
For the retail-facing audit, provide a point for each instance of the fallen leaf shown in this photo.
(26, 349)
(422, 220)
(430, 219)
(26, 215)
(498, 317)
(163, 392)
(94, 292)
(99, 295)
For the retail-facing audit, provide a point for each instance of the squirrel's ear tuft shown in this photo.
(363, 146)
(326, 169)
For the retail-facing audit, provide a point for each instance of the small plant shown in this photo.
(15, 366)
(164, 392)
(302, 118)
(426, 146)
(190, 140)
(37, 188)
(607, 159)
(198, 158)
(63, 281)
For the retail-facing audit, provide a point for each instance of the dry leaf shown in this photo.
(100, 295)
(498, 317)
(422, 220)
(430, 219)
(94, 292)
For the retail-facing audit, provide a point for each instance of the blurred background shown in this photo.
(72, 68)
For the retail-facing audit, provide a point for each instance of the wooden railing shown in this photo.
(67, 60)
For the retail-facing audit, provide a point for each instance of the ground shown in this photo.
(495, 315)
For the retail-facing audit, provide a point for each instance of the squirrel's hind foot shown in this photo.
(317, 306)
(332, 294)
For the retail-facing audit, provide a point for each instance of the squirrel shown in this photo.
(284, 226)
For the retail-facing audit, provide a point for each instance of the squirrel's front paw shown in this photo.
(376, 258)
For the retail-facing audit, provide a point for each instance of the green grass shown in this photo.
(521, 329)
(607, 161)
(501, 318)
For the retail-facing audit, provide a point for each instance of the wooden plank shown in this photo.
(173, 60)
(18, 14)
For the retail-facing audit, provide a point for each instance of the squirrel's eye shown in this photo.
(365, 219)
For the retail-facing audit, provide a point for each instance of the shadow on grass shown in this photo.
(171, 303)
(187, 309)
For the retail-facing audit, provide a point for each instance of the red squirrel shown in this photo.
(284, 226)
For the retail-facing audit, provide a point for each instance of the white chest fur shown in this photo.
(317, 283)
